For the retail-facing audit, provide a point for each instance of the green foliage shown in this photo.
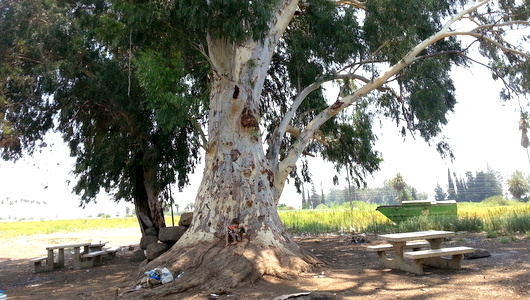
(350, 146)
(240, 19)
(518, 185)
(439, 194)
(118, 118)
(285, 207)
(497, 201)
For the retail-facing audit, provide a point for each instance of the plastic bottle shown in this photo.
(2, 295)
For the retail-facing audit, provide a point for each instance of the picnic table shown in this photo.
(89, 255)
(416, 241)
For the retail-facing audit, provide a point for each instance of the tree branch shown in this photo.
(288, 163)
(354, 3)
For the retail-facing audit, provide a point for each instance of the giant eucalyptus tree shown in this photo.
(264, 65)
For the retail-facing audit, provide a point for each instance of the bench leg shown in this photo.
(39, 267)
(399, 263)
(455, 262)
(50, 261)
(87, 262)
(417, 266)
(60, 259)
(98, 260)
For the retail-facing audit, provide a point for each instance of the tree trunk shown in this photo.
(146, 202)
(238, 182)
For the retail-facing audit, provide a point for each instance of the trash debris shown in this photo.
(166, 276)
(156, 277)
(322, 275)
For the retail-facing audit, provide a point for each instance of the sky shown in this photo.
(482, 132)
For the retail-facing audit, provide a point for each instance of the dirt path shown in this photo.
(351, 271)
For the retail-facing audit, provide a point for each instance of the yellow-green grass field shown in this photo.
(496, 218)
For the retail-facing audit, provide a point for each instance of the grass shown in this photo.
(13, 229)
(26, 228)
(495, 219)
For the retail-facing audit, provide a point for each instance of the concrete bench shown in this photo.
(91, 259)
(409, 245)
(435, 257)
(38, 264)
(111, 252)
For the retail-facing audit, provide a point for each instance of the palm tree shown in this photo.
(399, 185)
(518, 185)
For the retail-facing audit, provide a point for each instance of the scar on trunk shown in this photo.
(234, 153)
(236, 92)
(337, 104)
(248, 119)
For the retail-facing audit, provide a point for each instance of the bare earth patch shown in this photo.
(351, 272)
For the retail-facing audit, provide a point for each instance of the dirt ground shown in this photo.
(351, 272)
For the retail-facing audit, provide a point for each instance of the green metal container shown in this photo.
(409, 209)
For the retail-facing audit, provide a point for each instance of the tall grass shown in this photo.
(507, 218)
(333, 220)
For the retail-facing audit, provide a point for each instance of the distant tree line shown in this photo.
(468, 188)
(471, 188)
(20, 201)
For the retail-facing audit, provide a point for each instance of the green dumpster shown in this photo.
(408, 209)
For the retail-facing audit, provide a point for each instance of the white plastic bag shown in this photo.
(165, 276)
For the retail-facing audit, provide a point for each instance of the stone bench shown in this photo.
(92, 259)
(111, 252)
(435, 257)
(40, 264)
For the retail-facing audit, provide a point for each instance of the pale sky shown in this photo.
(482, 132)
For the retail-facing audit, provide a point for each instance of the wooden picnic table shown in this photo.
(433, 256)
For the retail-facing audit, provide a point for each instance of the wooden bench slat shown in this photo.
(408, 245)
(437, 252)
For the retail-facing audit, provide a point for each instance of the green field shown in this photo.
(506, 217)
(495, 218)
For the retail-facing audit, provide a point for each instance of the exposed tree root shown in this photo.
(213, 268)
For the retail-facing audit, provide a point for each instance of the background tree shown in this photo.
(439, 194)
(480, 186)
(399, 185)
(314, 198)
(250, 73)
(451, 191)
(461, 189)
(88, 92)
(518, 185)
